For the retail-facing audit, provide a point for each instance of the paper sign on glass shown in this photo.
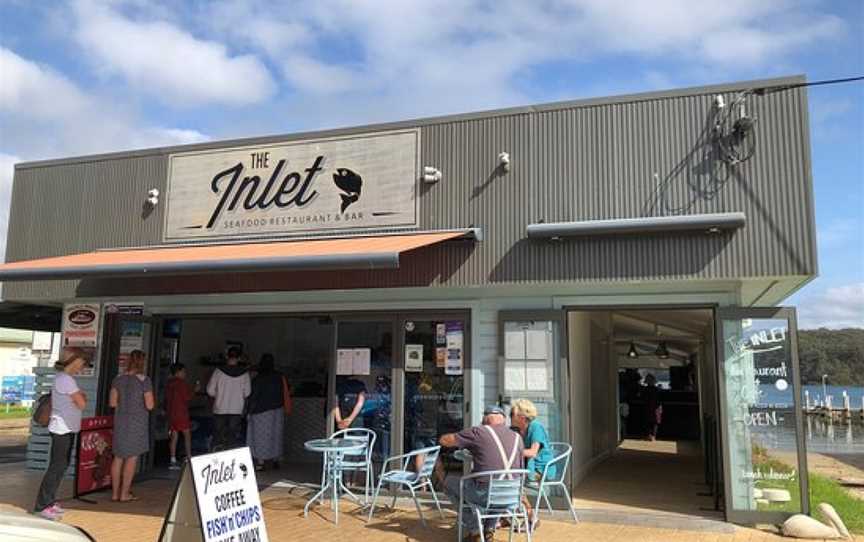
(536, 377)
(535, 344)
(514, 376)
(414, 358)
(440, 358)
(454, 362)
(345, 361)
(514, 344)
(362, 358)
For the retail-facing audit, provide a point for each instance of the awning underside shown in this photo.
(321, 254)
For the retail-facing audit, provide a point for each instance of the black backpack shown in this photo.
(42, 410)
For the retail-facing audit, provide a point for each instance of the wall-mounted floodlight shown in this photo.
(504, 161)
(153, 197)
(431, 174)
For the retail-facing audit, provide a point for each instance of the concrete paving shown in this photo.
(283, 511)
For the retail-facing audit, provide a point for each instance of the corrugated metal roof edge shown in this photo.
(420, 122)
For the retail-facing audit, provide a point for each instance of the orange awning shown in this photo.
(380, 252)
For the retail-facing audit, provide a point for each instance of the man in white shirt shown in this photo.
(229, 387)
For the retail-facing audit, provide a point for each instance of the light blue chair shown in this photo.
(361, 462)
(561, 452)
(413, 480)
(503, 500)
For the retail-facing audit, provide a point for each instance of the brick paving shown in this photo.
(283, 511)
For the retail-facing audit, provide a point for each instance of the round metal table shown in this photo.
(334, 451)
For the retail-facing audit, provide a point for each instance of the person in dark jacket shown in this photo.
(653, 409)
(266, 414)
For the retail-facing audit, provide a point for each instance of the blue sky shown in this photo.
(82, 77)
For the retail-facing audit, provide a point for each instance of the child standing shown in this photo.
(178, 393)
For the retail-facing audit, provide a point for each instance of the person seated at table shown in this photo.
(523, 417)
(485, 443)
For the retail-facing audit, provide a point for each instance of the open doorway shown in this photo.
(644, 404)
(301, 347)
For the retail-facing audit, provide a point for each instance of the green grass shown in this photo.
(822, 489)
(851, 510)
(14, 412)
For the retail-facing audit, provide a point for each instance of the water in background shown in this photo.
(823, 436)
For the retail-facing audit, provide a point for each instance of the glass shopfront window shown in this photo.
(764, 448)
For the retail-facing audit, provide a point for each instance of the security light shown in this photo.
(632, 353)
(431, 174)
(504, 161)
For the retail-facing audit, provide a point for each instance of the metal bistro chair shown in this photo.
(414, 481)
(504, 489)
(561, 452)
(362, 462)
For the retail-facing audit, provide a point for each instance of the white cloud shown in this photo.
(50, 116)
(31, 90)
(837, 307)
(168, 63)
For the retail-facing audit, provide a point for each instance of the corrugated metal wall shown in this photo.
(631, 157)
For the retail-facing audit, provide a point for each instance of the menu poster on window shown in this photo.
(440, 358)
(514, 344)
(455, 348)
(362, 361)
(440, 334)
(514, 377)
(345, 361)
(413, 358)
(536, 377)
(535, 344)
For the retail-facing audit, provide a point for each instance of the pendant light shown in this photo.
(662, 352)
(632, 353)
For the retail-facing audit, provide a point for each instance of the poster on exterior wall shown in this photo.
(413, 358)
(93, 467)
(80, 324)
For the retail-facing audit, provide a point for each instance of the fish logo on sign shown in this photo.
(350, 183)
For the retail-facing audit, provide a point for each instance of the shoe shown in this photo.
(59, 508)
(51, 513)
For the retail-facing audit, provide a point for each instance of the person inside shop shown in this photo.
(523, 417)
(350, 398)
(267, 406)
(67, 402)
(653, 408)
(229, 386)
(132, 399)
(178, 393)
(493, 446)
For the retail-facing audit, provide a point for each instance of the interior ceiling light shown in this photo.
(632, 353)
(662, 352)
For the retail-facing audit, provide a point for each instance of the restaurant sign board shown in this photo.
(343, 184)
